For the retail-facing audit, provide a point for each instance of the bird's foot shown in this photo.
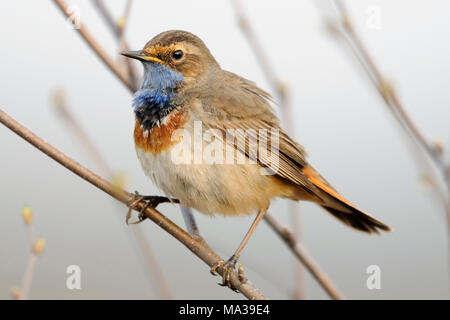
(150, 201)
(228, 267)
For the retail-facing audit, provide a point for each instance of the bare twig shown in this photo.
(397, 108)
(35, 249)
(386, 90)
(303, 255)
(101, 53)
(106, 15)
(197, 246)
(118, 29)
(124, 19)
(28, 276)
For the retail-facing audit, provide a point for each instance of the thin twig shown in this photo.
(123, 22)
(197, 246)
(29, 269)
(106, 15)
(131, 81)
(303, 255)
(101, 53)
(28, 276)
(35, 248)
(124, 19)
(388, 93)
(118, 30)
(256, 46)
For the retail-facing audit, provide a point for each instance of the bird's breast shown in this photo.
(161, 136)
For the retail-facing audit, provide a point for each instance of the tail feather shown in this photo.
(342, 209)
(358, 220)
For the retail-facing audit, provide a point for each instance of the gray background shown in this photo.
(339, 118)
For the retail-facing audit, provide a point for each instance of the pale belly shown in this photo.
(228, 189)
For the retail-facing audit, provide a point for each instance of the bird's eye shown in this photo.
(177, 54)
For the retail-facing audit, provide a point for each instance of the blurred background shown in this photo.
(338, 116)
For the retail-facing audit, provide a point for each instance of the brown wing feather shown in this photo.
(238, 104)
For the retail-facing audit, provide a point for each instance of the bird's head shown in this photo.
(173, 56)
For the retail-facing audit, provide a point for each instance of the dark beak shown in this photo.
(139, 55)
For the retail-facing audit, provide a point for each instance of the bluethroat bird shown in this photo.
(184, 89)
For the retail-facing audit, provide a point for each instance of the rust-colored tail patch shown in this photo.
(341, 208)
(320, 183)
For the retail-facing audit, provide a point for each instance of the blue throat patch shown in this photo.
(153, 101)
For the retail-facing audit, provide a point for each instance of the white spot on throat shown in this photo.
(167, 118)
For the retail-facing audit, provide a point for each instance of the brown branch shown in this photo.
(101, 53)
(302, 254)
(197, 246)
